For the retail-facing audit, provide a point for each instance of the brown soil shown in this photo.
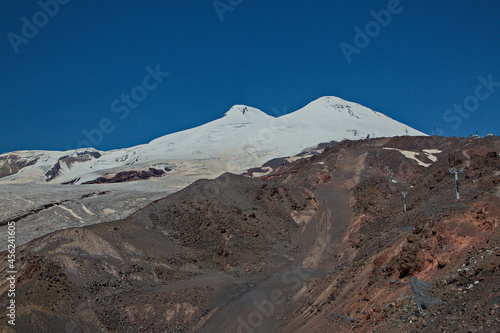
(319, 245)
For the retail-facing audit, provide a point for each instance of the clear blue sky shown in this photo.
(266, 54)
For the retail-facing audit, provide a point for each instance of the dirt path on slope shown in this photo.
(265, 307)
(339, 213)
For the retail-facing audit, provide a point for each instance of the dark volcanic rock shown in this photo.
(128, 176)
(53, 172)
(320, 244)
(84, 156)
(11, 164)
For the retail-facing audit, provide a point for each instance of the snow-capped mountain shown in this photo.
(244, 137)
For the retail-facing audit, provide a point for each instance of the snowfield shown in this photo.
(244, 137)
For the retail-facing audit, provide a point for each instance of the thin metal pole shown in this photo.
(456, 171)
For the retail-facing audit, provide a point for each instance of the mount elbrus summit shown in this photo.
(244, 137)
(308, 233)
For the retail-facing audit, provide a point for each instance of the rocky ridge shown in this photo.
(317, 244)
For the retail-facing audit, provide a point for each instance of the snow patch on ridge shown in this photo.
(413, 155)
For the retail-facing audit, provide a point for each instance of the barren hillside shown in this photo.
(317, 245)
